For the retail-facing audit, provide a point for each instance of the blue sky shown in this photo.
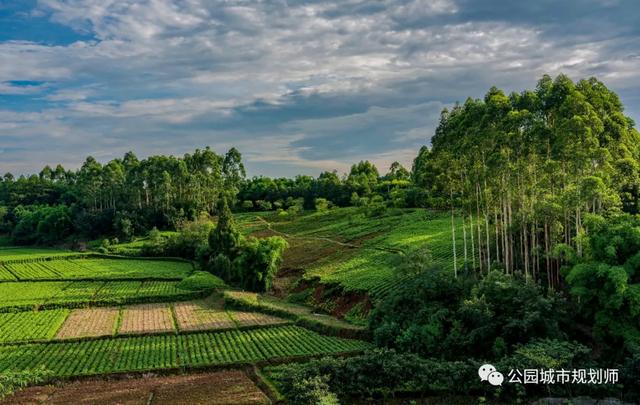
(297, 86)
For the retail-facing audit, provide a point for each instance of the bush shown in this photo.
(379, 373)
(321, 204)
(258, 262)
(437, 313)
(313, 390)
(247, 205)
(199, 281)
(221, 265)
(264, 205)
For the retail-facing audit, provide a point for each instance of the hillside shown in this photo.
(344, 248)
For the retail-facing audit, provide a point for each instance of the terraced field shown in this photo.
(146, 353)
(343, 246)
(26, 295)
(41, 325)
(29, 326)
(18, 253)
(34, 269)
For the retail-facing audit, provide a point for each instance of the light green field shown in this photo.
(96, 269)
(20, 253)
(26, 294)
(360, 253)
(31, 325)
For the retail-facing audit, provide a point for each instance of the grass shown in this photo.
(361, 253)
(147, 353)
(96, 269)
(303, 315)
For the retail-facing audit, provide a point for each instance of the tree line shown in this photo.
(527, 169)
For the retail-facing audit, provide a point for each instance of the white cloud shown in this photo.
(187, 73)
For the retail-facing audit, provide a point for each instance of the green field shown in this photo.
(28, 326)
(19, 253)
(148, 353)
(95, 269)
(24, 295)
(344, 246)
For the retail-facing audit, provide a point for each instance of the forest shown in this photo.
(542, 190)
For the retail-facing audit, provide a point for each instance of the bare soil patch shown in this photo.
(225, 387)
(198, 315)
(89, 322)
(146, 318)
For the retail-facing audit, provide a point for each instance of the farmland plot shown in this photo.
(255, 319)
(196, 315)
(89, 322)
(98, 269)
(28, 294)
(145, 353)
(15, 253)
(147, 318)
(30, 325)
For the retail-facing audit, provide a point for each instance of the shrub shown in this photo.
(221, 265)
(258, 262)
(264, 205)
(437, 313)
(199, 281)
(379, 373)
(247, 205)
(321, 204)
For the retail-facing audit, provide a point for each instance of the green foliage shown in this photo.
(321, 204)
(221, 265)
(258, 262)
(224, 238)
(63, 294)
(30, 326)
(381, 242)
(313, 390)
(12, 381)
(378, 373)
(90, 268)
(146, 353)
(247, 205)
(606, 285)
(437, 313)
(199, 281)
(45, 225)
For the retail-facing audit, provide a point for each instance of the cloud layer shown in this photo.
(297, 86)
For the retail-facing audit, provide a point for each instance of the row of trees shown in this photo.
(122, 196)
(362, 181)
(526, 168)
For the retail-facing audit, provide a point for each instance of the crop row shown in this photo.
(94, 269)
(40, 325)
(52, 294)
(171, 351)
(62, 324)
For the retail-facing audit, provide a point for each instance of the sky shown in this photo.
(298, 87)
